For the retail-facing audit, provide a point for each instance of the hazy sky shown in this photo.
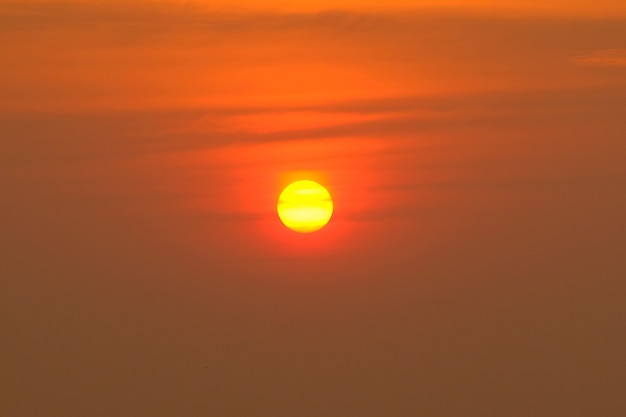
(475, 263)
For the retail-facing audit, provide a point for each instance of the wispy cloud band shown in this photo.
(603, 58)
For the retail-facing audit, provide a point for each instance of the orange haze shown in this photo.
(474, 262)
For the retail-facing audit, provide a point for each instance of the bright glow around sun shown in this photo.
(305, 206)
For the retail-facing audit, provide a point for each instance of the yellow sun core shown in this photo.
(305, 206)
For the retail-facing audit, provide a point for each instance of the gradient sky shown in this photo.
(475, 263)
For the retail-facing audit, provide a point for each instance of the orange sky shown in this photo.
(553, 7)
(160, 56)
(550, 7)
(474, 263)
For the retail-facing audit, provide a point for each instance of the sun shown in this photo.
(305, 206)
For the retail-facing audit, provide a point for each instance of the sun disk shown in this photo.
(305, 206)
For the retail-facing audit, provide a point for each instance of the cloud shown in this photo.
(65, 138)
(603, 58)
(89, 57)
